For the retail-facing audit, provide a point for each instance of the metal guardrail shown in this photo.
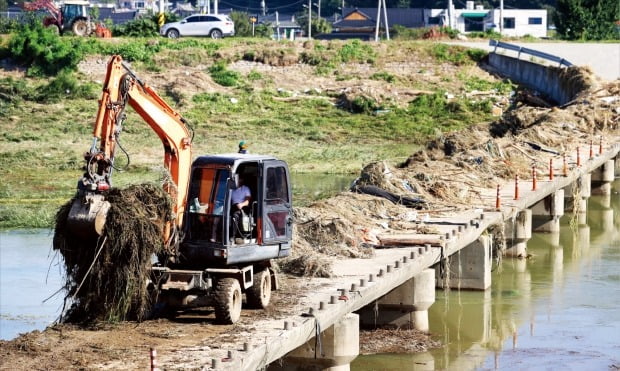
(535, 53)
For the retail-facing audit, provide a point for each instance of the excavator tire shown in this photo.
(80, 27)
(259, 294)
(227, 300)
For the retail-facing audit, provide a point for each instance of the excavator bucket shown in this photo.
(87, 215)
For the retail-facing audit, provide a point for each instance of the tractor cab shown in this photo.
(72, 10)
(217, 230)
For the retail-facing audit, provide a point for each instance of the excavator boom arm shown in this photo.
(122, 87)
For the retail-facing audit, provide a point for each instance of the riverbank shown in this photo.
(324, 107)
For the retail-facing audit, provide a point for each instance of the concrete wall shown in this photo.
(561, 84)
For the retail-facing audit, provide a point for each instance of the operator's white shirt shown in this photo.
(240, 194)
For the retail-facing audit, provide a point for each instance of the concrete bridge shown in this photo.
(397, 286)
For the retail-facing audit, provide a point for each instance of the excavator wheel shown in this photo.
(80, 27)
(227, 300)
(259, 294)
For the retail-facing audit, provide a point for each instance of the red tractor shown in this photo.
(72, 15)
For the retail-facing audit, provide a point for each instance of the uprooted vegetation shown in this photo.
(106, 277)
(450, 174)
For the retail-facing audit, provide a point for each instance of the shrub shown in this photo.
(254, 75)
(363, 104)
(142, 27)
(133, 50)
(385, 76)
(222, 76)
(243, 27)
(456, 55)
(356, 51)
(44, 51)
(401, 32)
(65, 85)
(8, 25)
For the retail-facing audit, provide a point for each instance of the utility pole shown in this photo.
(278, 25)
(319, 9)
(501, 16)
(450, 7)
(378, 20)
(385, 19)
(309, 19)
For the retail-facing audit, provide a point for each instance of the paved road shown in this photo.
(603, 58)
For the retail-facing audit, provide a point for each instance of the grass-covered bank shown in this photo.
(321, 106)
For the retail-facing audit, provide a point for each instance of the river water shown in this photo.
(558, 310)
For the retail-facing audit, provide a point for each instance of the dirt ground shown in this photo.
(127, 345)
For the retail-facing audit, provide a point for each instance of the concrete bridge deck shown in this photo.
(362, 285)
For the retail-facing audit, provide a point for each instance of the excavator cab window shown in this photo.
(277, 206)
(207, 197)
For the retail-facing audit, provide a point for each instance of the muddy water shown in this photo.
(558, 310)
(29, 275)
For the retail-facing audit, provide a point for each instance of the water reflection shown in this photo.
(558, 309)
(309, 187)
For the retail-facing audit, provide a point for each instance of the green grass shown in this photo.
(46, 130)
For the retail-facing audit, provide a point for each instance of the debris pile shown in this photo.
(450, 174)
(395, 341)
(106, 277)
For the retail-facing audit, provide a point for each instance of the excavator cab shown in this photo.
(216, 232)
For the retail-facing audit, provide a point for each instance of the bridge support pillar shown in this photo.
(518, 233)
(547, 212)
(340, 346)
(470, 268)
(602, 178)
(576, 197)
(404, 307)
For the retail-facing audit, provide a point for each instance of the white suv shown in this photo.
(215, 26)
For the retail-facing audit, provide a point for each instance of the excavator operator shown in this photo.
(240, 198)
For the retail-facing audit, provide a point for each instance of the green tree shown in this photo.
(587, 19)
(93, 12)
(321, 26)
(318, 25)
(243, 26)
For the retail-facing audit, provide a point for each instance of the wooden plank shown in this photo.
(409, 239)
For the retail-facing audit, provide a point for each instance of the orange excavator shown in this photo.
(218, 251)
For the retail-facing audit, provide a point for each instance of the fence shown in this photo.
(535, 53)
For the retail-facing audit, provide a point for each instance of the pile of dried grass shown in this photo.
(106, 277)
(452, 173)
